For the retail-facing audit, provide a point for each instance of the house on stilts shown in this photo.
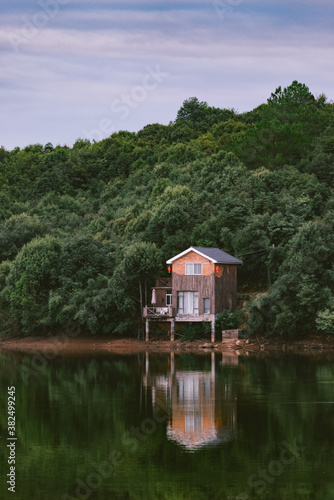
(202, 283)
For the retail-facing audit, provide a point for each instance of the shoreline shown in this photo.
(65, 345)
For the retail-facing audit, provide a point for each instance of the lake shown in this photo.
(169, 426)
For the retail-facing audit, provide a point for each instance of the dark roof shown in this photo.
(218, 255)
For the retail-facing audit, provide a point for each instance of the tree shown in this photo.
(325, 320)
(18, 230)
(294, 95)
(33, 275)
(200, 116)
(320, 161)
(175, 213)
(192, 109)
(83, 295)
(139, 265)
(301, 298)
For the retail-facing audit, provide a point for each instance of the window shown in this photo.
(206, 306)
(193, 268)
(187, 302)
(168, 298)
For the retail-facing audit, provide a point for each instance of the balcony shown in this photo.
(158, 312)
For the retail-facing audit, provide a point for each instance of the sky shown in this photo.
(73, 69)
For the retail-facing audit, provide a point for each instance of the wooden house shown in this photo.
(203, 283)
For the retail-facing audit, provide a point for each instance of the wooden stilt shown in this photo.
(147, 330)
(172, 329)
(213, 329)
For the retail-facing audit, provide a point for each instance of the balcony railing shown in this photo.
(158, 312)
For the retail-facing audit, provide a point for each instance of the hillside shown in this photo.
(84, 229)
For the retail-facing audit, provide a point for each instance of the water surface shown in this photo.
(156, 427)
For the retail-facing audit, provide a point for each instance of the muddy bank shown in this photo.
(83, 345)
(62, 345)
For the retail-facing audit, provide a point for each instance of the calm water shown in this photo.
(156, 427)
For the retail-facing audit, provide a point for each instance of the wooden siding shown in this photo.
(204, 285)
(163, 282)
(226, 288)
(218, 283)
(162, 286)
(160, 294)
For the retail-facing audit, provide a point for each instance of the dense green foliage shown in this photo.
(228, 320)
(85, 230)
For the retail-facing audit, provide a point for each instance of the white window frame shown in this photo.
(206, 310)
(193, 268)
(168, 298)
(187, 302)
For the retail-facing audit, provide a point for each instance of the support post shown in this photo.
(172, 329)
(147, 330)
(172, 363)
(213, 329)
(147, 362)
(213, 365)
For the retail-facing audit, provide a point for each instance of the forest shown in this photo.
(84, 229)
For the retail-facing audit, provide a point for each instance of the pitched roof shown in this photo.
(216, 255)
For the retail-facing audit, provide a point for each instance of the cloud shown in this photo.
(64, 76)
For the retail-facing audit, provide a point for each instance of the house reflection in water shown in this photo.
(201, 409)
